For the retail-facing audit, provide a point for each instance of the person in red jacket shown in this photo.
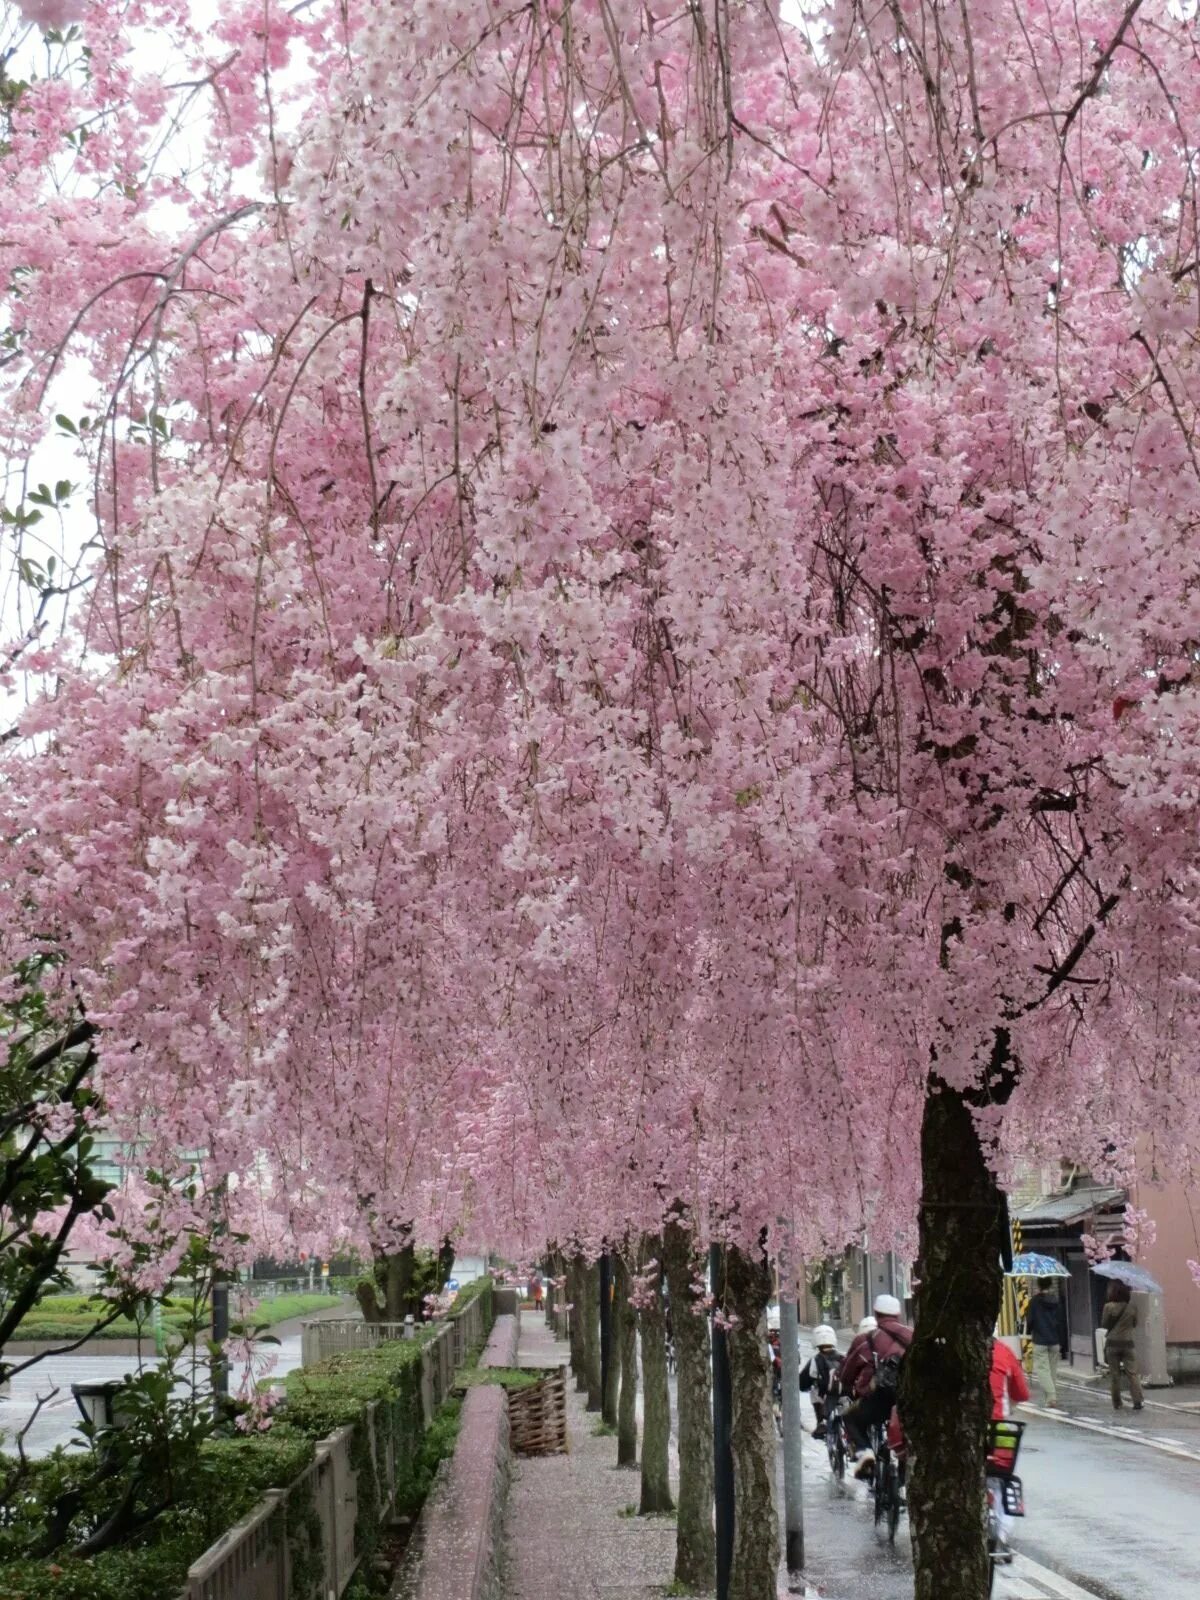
(1009, 1384)
(872, 1402)
(1010, 1387)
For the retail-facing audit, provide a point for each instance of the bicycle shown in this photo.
(835, 1436)
(889, 1479)
(1005, 1493)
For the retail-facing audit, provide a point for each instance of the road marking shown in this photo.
(1029, 1580)
(1166, 1447)
(1159, 1405)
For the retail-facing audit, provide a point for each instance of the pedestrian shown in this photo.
(1046, 1325)
(1119, 1318)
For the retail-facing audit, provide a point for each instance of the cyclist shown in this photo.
(1009, 1387)
(870, 1374)
(819, 1374)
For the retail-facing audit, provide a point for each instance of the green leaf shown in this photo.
(62, 489)
(66, 424)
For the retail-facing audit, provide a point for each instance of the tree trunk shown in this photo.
(591, 1336)
(656, 1396)
(576, 1270)
(612, 1385)
(945, 1399)
(695, 1541)
(756, 1515)
(627, 1344)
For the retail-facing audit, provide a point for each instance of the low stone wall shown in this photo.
(501, 1349)
(90, 1347)
(462, 1526)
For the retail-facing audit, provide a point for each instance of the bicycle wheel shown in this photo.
(837, 1451)
(991, 1551)
(879, 1488)
(893, 1509)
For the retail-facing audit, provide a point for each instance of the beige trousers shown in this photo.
(1045, 1372)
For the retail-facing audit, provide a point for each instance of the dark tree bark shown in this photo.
(656, 1396)
(612, 1385)
(756, 1517)
(576, 1273)
(591, 1336)
(388, 1296)
(627, 1344)
(945, 1399)
(695, 1540)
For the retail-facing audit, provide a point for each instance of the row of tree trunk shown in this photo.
(639, 1337)
(945, 1397)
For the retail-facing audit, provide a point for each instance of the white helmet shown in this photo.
(867, 1325)
(822, 1335)
(886, 1305)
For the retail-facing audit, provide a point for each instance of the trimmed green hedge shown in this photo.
(320, 1400)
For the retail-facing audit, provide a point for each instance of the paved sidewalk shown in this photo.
(538, 1347)
(565, 1534)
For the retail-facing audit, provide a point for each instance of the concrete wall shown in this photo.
(1176, 1214)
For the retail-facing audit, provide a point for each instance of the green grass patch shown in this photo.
(604, 1430)
(64, 1317)
(511, 1377)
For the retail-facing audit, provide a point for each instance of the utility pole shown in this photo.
(793, 1522)
(722, 1435)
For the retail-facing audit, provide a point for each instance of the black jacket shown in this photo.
(1046, 1321)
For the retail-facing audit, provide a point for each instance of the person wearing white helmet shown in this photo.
(867, 1325)
(871, 1374)
(818, 1375)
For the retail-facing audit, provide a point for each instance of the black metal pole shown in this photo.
(605, 1321)
(220, 1333)
(722, 1436)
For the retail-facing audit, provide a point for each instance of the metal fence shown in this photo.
(254, 1559)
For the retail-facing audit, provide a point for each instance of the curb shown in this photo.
(1164, 1447)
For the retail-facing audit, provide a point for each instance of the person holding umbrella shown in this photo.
(1046, 1325)
(1119, 1318)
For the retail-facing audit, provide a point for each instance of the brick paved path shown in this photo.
(564, 1532)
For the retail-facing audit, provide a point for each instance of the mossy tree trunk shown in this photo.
(756, 1516)
(945, 1399)
(695, 1540)
(591, 1336)
(626, 1316)
(656, 1395)
(387, 1297)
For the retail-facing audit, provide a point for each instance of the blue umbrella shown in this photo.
(1125, 1272)
(1032, 1265)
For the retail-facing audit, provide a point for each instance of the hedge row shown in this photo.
(236, 1471)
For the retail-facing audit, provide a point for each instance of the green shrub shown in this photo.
(235, 1472)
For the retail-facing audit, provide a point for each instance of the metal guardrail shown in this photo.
(253, 1560)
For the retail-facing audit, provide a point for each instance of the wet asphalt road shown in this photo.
(51, 1380)
(1114, 1517)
